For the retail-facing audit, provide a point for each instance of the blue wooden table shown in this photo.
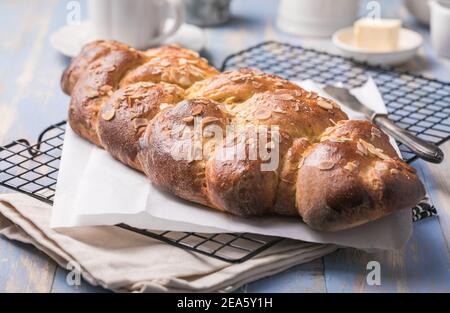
(30, 100)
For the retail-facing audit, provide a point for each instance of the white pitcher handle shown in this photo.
(177, 7)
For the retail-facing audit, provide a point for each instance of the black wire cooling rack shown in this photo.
(421, 105)
(33, 170)
(416, 103)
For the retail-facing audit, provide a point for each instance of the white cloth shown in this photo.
(125, 261)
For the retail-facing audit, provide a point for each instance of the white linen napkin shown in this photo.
(125, 261)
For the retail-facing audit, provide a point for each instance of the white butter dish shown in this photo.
(408, 45)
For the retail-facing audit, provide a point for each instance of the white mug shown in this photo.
(440, 27)
(317, 18)
(138, 23)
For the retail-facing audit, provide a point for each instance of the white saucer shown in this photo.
(409, 42)
(70, 39)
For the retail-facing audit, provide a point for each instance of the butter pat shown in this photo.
(378, 35)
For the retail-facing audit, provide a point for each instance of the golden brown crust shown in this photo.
(167, 155)
(352, 177)
(173, 65)
(294, 110)
(90, 53)
(146, 108)
(94, 86)
(126, 114)
(285, 203)
(232, 87)
(104, 66)
(238, 185)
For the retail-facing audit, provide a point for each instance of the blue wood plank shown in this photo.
(23, 269)
(60, 284)
(437, 178)
(23, 70)
(423, 266)
(36, 94)
(301, 278)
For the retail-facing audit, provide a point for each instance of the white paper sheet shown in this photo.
(95, 189)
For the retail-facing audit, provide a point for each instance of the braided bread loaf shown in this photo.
(333, 172)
